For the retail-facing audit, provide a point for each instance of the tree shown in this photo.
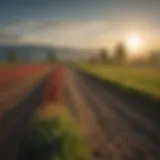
(91, 60)
(13, 57)
(51, 57)
(154, 57)
(103, 56)
(120, 53)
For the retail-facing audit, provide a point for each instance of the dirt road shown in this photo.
(115, 129)
(13, 125)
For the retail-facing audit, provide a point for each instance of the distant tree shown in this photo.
(120, 53)
(12, 57)
(103, 56)
(154, 57)
(51, 57)
(93, 60)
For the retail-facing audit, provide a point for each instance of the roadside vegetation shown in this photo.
(55, 136)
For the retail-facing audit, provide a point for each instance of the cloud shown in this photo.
(70, 33)
(52, 25)
(73, 33)
(7, 37)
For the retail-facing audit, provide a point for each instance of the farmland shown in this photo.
(116, 127)
(21, 93)
(113, 126)
(17, 81)
(143, 80)
(41, 85)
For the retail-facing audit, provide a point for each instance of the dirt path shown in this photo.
(80, 109)
(13, 125)
(126, 134)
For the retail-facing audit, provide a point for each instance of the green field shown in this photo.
(143, 80)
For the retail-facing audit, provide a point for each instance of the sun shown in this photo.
(134, 42)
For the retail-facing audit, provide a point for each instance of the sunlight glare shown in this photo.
(134, 42)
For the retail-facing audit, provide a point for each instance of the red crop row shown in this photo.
(53, 88)
(15, 82)
(8, 75)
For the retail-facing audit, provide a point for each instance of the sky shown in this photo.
(79, 23)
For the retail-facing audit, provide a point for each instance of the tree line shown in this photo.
(104, 57)
(13, 57)
(119, 56)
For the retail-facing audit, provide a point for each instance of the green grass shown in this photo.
(56, 138)
(143, 80)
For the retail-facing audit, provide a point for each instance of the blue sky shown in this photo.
(82, 23)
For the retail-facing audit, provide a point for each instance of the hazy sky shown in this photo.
(79, 23)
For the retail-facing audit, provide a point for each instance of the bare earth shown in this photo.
(114, 130)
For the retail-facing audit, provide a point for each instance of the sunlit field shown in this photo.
(145, 80)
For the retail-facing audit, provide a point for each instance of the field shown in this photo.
(112, 126)
(32, 94)
(116, 125)
(143, 80)
(16, 81)
(21, 92)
